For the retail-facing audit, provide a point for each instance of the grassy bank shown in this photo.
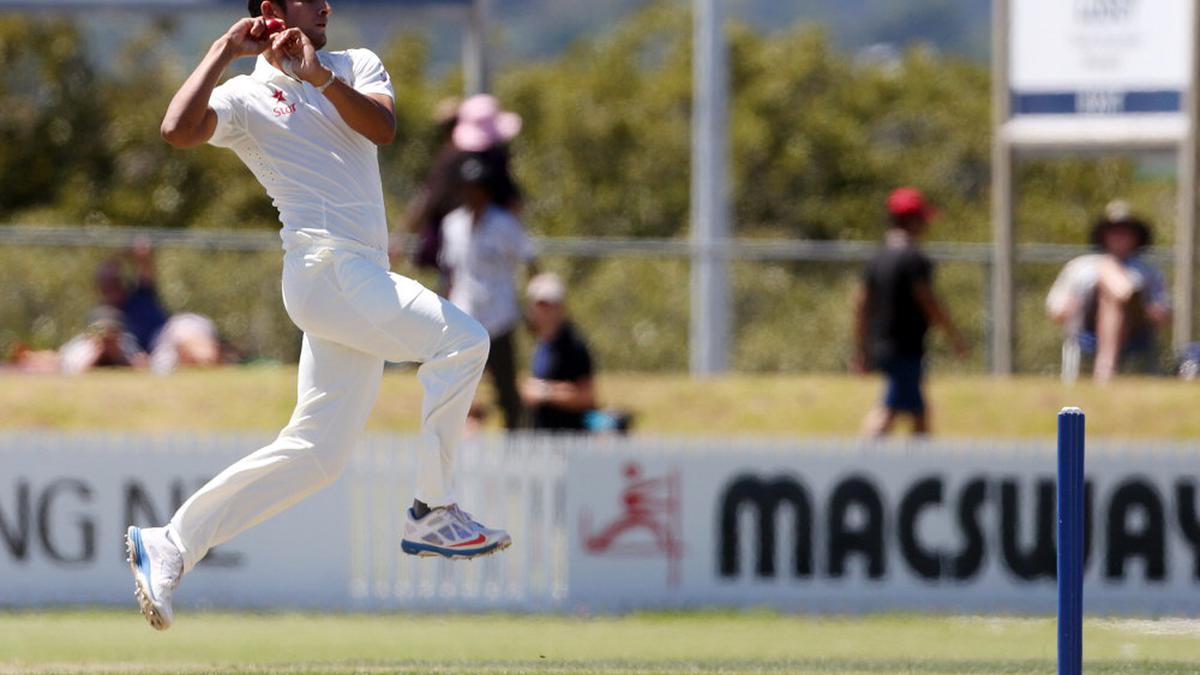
(261, 398)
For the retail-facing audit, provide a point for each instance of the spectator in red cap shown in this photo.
(893, 309)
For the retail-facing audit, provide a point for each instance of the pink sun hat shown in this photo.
(482, 124)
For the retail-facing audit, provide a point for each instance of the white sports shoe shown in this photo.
(450, 532)
(157, 567)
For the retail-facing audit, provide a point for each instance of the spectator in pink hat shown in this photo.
(484, 132)
(482, 124)
(476, 128)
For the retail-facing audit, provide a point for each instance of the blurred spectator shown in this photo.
(1110, 302)
(439, 195)
(105, 344)
(138, 302)
(186, 340)
(483, 244)
(560, 390)
(171, 341)
(476, 128)
(26, 360)
(894, 307)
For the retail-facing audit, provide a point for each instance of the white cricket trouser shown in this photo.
(355, 315)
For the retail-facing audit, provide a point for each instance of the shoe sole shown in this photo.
(141, 589)
(429, 551)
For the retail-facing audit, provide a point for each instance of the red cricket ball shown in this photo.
(275, 26)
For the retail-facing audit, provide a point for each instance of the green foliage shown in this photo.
(818, 139)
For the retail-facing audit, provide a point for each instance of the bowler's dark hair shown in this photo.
(255, 6)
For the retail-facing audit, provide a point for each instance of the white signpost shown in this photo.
(1083, 75)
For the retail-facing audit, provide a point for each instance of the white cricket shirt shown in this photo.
(322, 176)
(482, 261)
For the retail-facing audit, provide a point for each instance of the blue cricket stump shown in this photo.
(1070, 541)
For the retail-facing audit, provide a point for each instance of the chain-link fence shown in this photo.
(630, 297)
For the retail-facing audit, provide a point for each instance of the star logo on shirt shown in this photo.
(278, 96)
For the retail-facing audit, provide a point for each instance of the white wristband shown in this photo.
(332, 76)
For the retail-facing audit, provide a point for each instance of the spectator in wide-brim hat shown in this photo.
(1119, 216)
(1115, 296)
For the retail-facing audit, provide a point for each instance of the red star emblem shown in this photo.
(279, 96)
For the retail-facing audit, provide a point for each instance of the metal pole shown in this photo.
(709, 338)
(476, 72)
(1002, 198)
(1185, 226)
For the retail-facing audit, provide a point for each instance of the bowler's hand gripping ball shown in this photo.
(275, 26)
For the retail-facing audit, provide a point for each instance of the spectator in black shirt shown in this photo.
(560, 391)
(894, 307)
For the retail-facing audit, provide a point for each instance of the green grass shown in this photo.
(119, 641)
(261, 398)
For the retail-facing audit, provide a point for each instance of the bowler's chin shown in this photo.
(318, 39)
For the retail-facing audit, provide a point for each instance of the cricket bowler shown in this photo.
(308, 123)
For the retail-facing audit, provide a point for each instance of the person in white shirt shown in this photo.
(1115, 295)
(308, 125)
(483, 244)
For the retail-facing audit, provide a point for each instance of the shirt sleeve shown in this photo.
(1059, 299)
(1156, 287)
(520, 245)
(583, 362)
(455, 229)
(369, 75)
(1071, 285)
(230, 115)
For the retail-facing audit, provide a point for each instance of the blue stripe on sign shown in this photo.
(1096, 102)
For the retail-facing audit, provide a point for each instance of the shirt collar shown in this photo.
(897, 238)
(265, 72)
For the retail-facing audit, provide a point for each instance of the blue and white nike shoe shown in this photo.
(450, 532)
(157, 567)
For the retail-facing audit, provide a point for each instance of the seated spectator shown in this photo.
(186, 340)
(173, 341)
(1115, 298)
(24, 359)
(138, 301)
(105, 344)
(560, 392)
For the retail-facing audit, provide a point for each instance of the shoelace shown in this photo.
(464, 517)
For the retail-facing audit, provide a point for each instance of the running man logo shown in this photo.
(651, 505)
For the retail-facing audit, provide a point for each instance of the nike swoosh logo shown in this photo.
(474, 542)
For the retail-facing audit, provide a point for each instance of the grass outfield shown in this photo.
(114, 641)
(261, 398)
